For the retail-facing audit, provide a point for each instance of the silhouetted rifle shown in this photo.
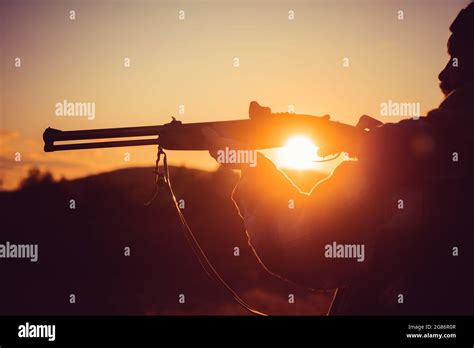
(263, 130)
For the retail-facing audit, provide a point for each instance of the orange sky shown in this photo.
(190, 62)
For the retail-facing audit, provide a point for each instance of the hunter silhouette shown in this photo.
(393, 229)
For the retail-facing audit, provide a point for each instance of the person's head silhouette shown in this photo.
(460, 68)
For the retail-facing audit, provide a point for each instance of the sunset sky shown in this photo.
(190, 62)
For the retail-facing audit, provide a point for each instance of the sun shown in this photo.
(299, 152)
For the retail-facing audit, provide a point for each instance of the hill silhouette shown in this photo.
(82, 250)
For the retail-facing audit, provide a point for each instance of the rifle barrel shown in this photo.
(52, 135)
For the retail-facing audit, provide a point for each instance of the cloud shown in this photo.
(18, 154)
(6, 134)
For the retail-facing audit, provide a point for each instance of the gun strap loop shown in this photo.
(162, 177)
(162, 180)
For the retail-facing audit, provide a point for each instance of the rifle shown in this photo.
(263, 130)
